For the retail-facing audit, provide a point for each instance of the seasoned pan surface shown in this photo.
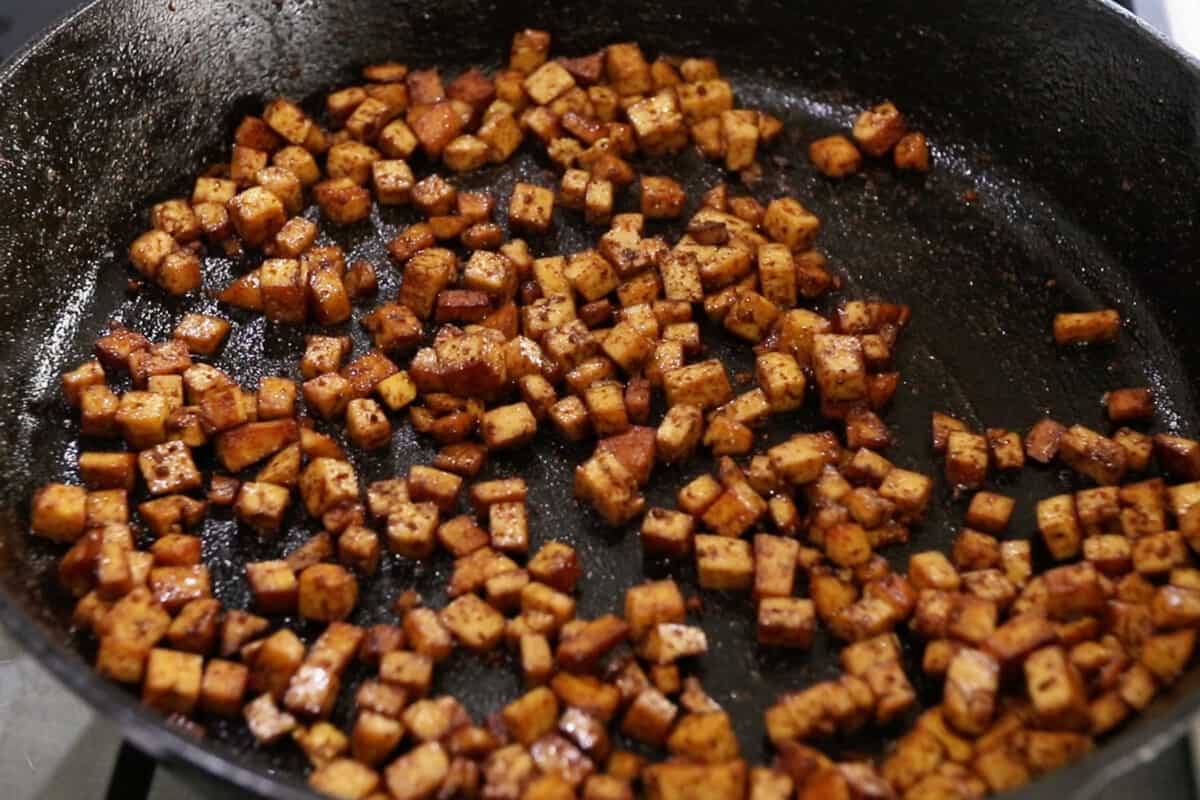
(1064, 178)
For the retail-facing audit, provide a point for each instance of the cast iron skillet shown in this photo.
(1072, 124)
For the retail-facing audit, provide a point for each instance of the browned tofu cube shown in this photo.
(508, 426)
(530, 208)
(789, 223)
(972, 686)
(705, 385)
(141, 417)
(661, 198)
(966, 459)
(667, 532)
(909, 491)
(605, 483)
(1092, 454)
(649, 717)
(273, 586)
(172, 681)
(222, 687)
(786, 622)
(989, 512)
(1087, 327)
(168, 468)
(839, 367)
(1059, 526)
(418, 774)
(411, 528)
(257, 215)
(595, 638)
(343, 201)
(1124, 405)
(203, 334)
(835, 156)
(878, 129)
(327, 482)
(474, 623)
(58, 512)
(912, 152)
(326, 592)
(1056, 689)
(532, 715)
(344, 777)
(723, 562)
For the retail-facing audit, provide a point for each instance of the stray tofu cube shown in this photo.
(909, 491)
(966, 459)
(835, 156)
(912, 152)
(971, 689)
(393, 180)
(652, 603)
(878, 129)
(705, 385)
(1124, 405)
(203, 334)
(1006, 448)
(273, 585)
(1087, 327)
(366, 424)
(548, 82)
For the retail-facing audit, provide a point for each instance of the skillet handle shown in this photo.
(132, 774)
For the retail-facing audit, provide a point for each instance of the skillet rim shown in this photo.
(171, 747)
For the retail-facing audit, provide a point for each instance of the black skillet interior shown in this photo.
(1073, 129)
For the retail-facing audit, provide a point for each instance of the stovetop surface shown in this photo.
(54, 747)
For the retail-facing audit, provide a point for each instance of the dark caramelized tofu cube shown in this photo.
(273, 585)
(1092, 455)
(1178, 456)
